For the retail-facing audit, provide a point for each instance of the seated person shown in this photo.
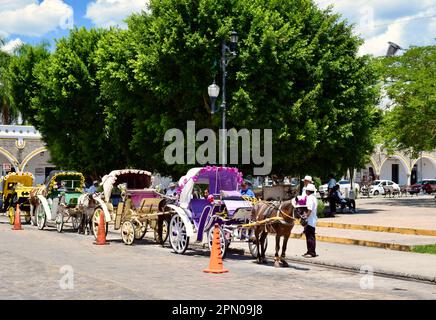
(171, 191)
(62, 186)
(246, 190)
(340, 199)
(93, 188)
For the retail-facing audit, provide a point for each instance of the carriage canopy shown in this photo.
(72, 180)
(217, 178)
(10, 180)
(134, 179)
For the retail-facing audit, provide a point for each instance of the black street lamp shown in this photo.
(228, 53)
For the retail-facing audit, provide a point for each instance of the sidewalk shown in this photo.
(383, 262)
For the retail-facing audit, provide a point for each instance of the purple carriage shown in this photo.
(207, 196)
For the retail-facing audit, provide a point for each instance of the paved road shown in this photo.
(33, 265)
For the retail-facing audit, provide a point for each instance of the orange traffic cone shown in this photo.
(216, 260)
(17, 220)
(101, 234)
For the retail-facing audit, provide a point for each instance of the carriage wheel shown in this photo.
(11, 215)
(165, 233)
(128, 232)
(75, 221)
(252, 244)
(179, 240)
(40, 217)
(59, 222)
(140, 229)
(96, 222)
(223, 242)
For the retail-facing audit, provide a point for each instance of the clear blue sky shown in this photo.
(405, 22)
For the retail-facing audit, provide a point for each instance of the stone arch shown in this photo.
(399, 157)
(30, 156)
(374, 165)
(10, 157)
(422, 171)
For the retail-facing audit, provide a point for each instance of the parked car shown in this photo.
(344, 185)
(377, 187)
(428, 185)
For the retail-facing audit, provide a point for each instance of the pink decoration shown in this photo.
(210, 198)
(195, 178)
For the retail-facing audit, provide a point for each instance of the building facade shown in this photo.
(399, 167)
(22, 149)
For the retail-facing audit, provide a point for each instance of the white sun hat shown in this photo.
(307, 178)
(311, 187)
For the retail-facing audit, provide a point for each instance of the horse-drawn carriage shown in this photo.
(207, 196)
(133, 205)
(54, 203)
(16, 188)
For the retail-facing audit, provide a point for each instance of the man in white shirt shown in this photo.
(309, 229)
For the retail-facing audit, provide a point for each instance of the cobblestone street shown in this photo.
(32, 263)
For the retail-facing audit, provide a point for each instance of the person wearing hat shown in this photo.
(306, 181)
(171, 191)
(246, 191)
(309, 229)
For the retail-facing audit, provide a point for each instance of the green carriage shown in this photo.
(57, 200)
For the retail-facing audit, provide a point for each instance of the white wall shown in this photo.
(386, 171)
(40, 161)
(428, 169)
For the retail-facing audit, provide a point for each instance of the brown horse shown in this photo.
(282, 228)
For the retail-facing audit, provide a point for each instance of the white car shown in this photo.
(344, 185)
(377, 187)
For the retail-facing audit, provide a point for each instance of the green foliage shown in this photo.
(297, 72)
(429, 249)
(104, 99)
(321, 209)
(22, 81)
(410, 78)
(68, 109)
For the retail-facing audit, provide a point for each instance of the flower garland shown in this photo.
(69, 173)
(210, 169)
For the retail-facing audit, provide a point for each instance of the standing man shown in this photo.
(331, 186)
(312, 218)
(307, 180)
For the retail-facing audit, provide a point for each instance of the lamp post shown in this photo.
(228, 53)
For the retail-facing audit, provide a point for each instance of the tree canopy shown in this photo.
(106, 98)
(410, 83)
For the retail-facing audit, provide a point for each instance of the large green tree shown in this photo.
(68, 108)
(5, 104)
(23, 84)
(410, 83)
(297, 72)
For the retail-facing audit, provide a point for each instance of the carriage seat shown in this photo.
(231, 195)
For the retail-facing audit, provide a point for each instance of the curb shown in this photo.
(408, 231)
(364, 243)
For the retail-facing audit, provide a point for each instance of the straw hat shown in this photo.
(308, 178)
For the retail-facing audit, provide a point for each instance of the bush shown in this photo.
(321, 209)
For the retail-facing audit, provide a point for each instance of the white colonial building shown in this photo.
(22, 149)
(399, 167)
